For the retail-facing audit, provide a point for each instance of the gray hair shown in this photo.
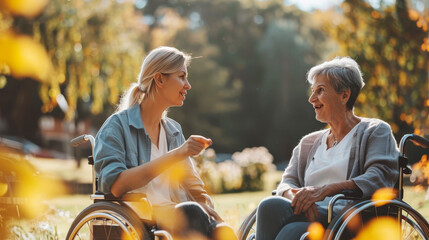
(343, 73)
(163, 60)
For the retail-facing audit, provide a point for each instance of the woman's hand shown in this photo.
(312, 214)
(194, 145)
(305, 198)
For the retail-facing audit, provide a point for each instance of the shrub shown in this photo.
(242, 173)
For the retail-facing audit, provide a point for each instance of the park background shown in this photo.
(65, 63)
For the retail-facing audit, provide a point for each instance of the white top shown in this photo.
(158, 190)
(330, 165)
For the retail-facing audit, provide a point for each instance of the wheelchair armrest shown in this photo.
(420, 141)
(130, 197)
(352, 194)
(346, 195)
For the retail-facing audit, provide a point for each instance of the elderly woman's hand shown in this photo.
(306, 197)
(312, 214)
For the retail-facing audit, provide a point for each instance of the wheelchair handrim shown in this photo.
(110, 216)
(425, 232)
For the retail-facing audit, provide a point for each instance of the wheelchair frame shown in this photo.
(129, 215)
(337, 226)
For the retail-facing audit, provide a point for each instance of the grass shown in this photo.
(233, 207)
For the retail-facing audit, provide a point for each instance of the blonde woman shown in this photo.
(138, 146)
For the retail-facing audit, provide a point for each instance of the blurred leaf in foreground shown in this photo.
(26, 8)
(24, 57)
(23, 189)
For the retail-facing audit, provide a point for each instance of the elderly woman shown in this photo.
(354, 153)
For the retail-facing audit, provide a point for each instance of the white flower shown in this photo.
(253, 155)
(231, 174)
(210, 154)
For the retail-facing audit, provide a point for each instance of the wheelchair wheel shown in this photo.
(247, 230)
(107, 220)
(412, 224)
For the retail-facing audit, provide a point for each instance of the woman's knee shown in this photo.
(192, 210)
(274, 205)
(192, 217)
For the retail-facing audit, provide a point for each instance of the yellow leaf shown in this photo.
(383, 194)
(413, 14)
(315, 231)
(24, 56)
(26, 8)
(3, 188)
(380, 228)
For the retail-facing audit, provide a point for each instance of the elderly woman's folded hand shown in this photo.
(306, 197)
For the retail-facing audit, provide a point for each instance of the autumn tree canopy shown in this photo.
(248, 72)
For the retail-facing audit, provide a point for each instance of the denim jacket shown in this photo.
(122, 143)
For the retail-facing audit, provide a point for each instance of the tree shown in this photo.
(210, 99)
(388, 44)
(235, 30)
(283, 89)
(95, 49)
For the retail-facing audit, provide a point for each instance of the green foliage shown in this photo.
(256, 89)
(95, 48)
(283, 52)
(249, 66)
(386, 42)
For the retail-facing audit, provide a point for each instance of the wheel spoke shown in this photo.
(107, 220)
(410, 234)
(412, 225)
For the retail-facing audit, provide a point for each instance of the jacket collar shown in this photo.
(170, 128)
(135, 120)
(134, 117)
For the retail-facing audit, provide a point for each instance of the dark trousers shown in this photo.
(275, 220)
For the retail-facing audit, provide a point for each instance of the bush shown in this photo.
(241, 173)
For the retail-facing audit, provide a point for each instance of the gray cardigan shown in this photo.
(373, 160)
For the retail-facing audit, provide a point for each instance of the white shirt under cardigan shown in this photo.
(330, 165)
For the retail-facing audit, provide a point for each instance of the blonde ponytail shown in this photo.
(131, 96)
(160, 60)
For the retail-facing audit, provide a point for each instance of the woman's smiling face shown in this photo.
(326, 102)
(176, 86)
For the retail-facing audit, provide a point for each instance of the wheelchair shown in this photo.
(412, 225)
(109, 218)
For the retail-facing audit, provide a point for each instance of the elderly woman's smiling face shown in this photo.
(327, 103)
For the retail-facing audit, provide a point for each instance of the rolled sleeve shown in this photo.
(109, 154)
(290, 176)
